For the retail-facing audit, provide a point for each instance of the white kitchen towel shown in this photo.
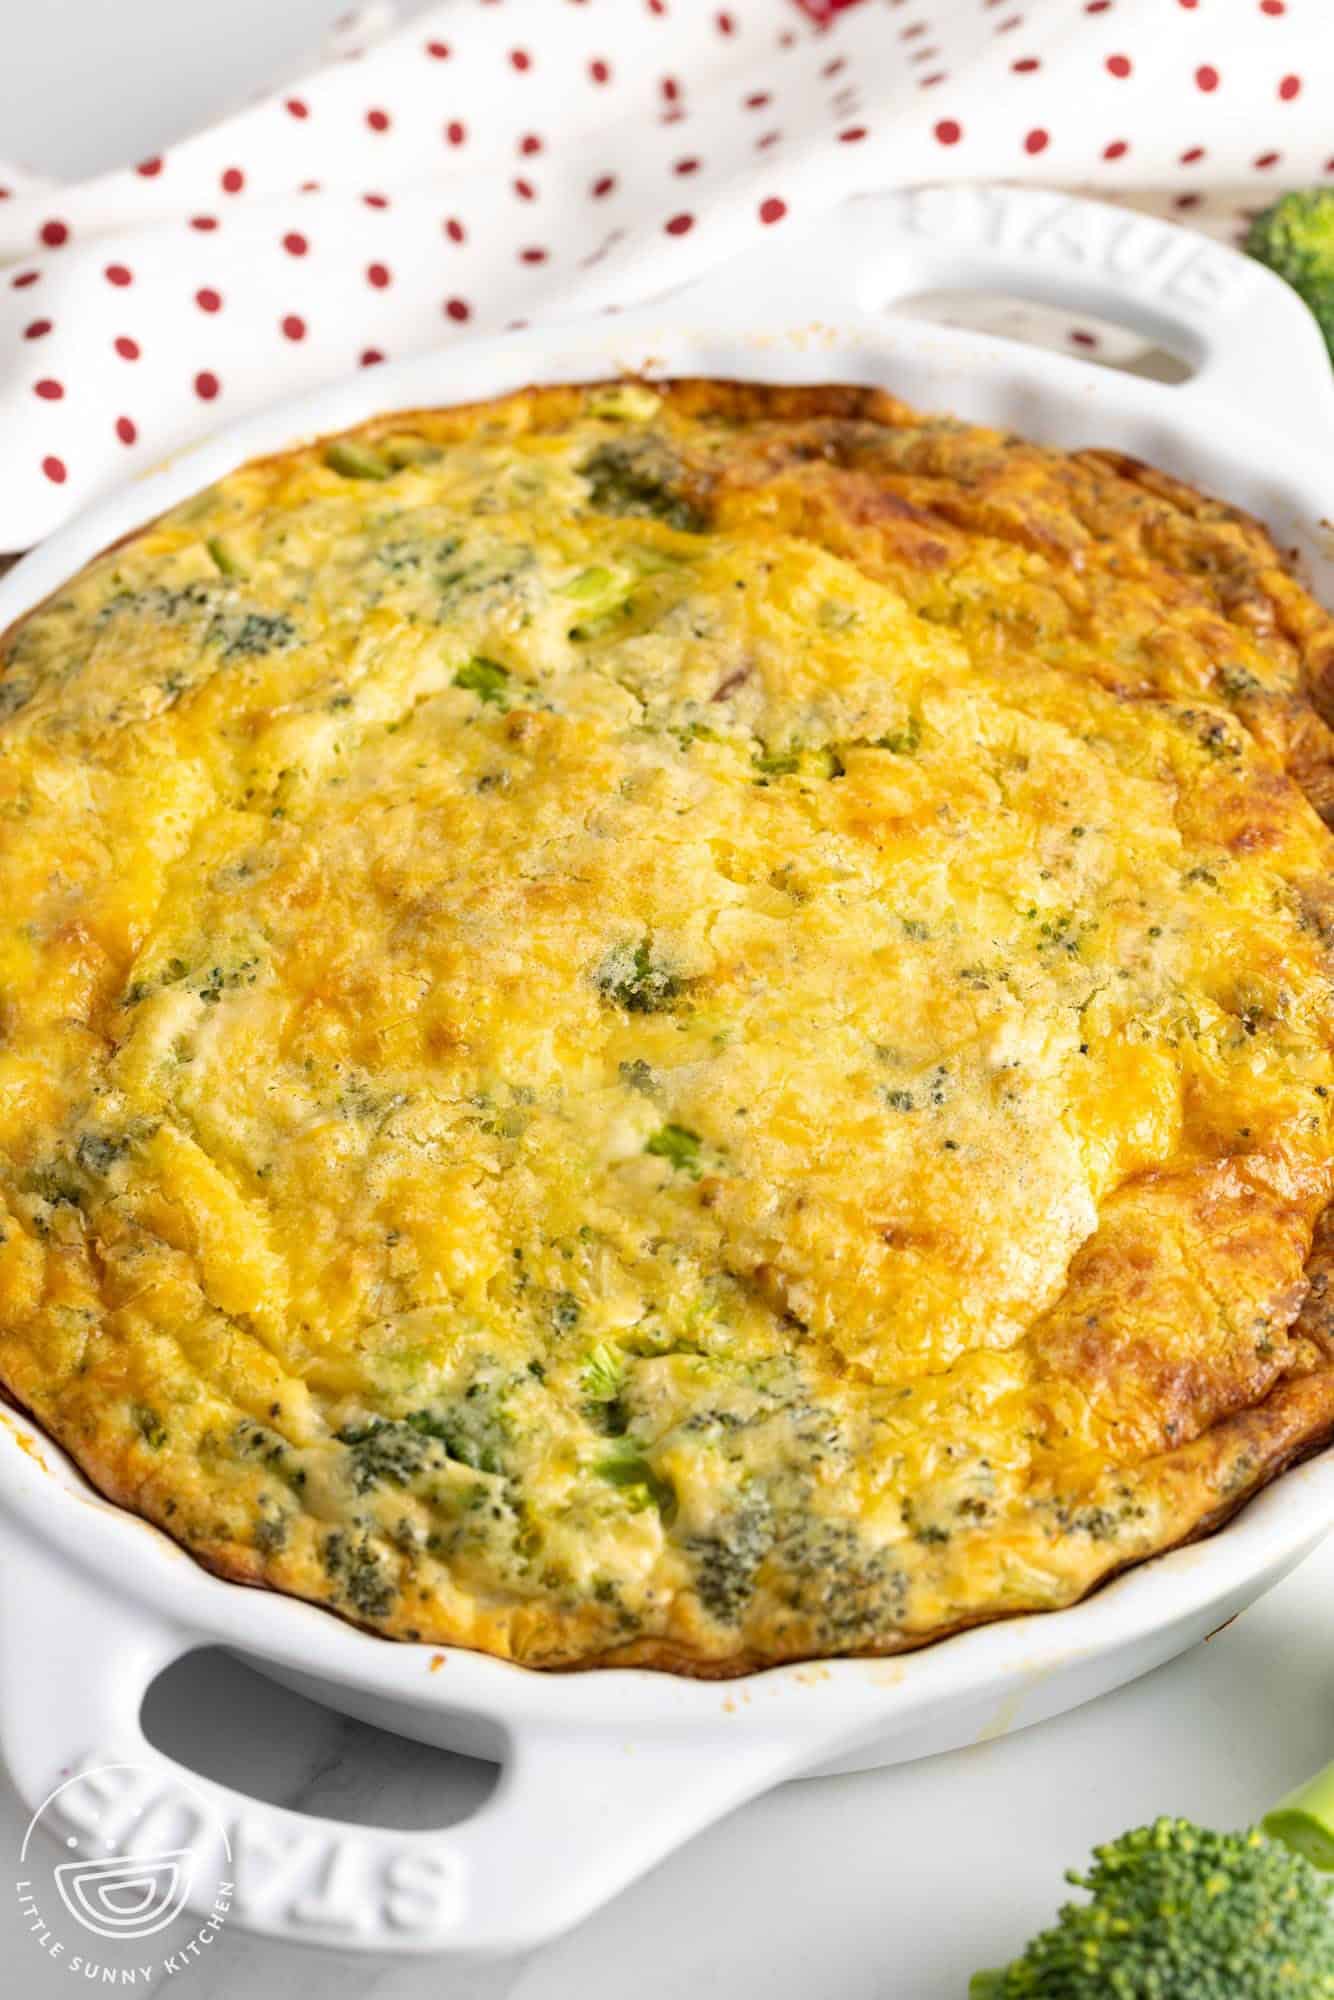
(496, 160)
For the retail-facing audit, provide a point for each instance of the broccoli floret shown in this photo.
(249, 635)
(355, 460)
(728, 1561)
(383, 1453)
(487, 679)
(679, 1147)
(640, 475)
(1296, 238)
(1176, 1913)
(604, 1374)
(475, 1430)
(353, 1566)
(631, 977)
(394, 1451)
(627, 1468)
(149, 1426)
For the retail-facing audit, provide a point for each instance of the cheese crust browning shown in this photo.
(683, 1026)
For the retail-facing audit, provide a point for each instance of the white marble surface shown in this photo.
(890, 1886)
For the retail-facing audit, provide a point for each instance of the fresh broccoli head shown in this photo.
(1176, 1913)
(1296, 238)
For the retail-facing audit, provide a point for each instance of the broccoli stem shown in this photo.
(1305, 1819)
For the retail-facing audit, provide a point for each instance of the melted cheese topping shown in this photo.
(691, 1028)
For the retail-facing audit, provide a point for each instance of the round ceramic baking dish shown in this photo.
(605, 1772)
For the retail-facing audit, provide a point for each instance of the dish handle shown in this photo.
(1251, 342)
(577, 1814)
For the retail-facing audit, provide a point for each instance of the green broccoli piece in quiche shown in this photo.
(625, 1466)
(1177, 1913)
(384, 1453)
(487, 679)
(603, 1377)
(679, 1146)
(727, 1560)
(355, 460)
(1296, 238)
(633, 977)
(641, 475)
(354, 1567)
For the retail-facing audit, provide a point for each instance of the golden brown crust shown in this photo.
(897, 828)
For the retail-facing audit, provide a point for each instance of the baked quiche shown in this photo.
(685, 1026)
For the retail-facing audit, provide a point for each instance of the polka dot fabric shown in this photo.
(494, 160)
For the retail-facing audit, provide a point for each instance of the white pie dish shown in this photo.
(606, 1771)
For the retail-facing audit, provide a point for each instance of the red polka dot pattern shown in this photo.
(304, 235)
